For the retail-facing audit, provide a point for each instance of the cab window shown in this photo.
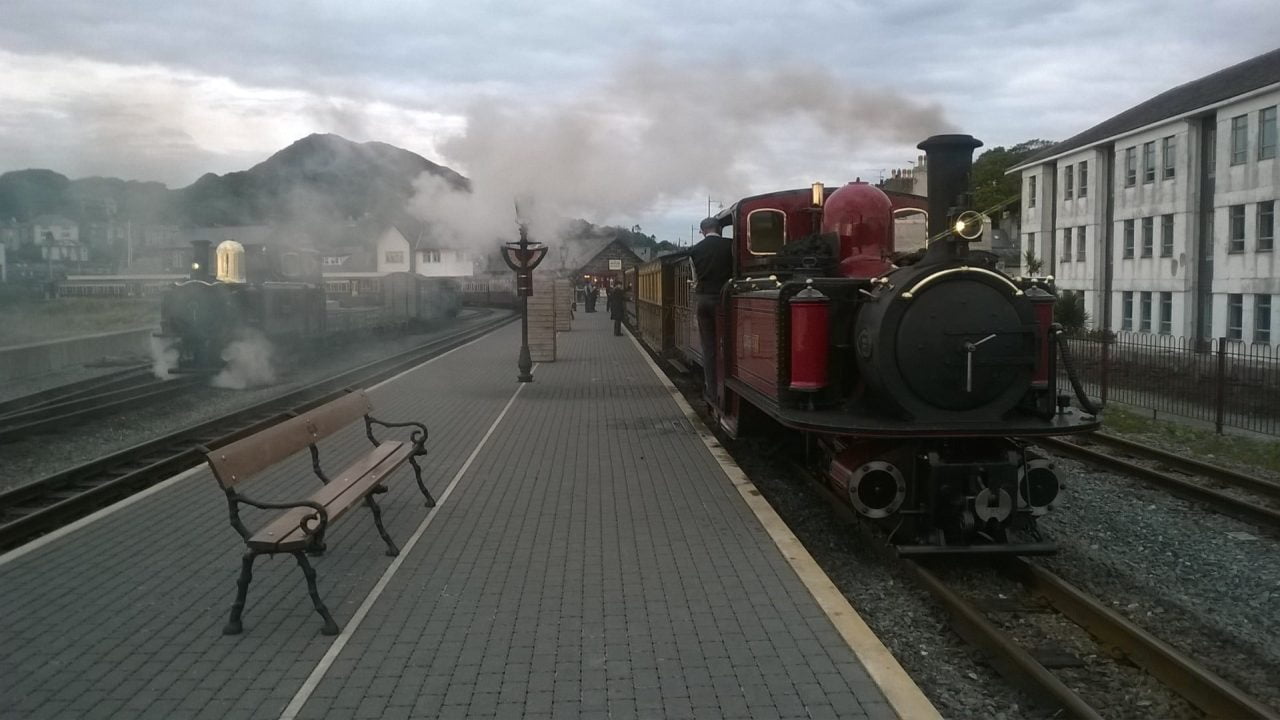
(766, 231)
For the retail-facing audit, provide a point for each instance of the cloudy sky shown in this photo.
(623, 112)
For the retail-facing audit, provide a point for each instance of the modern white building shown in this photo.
(1164, 216)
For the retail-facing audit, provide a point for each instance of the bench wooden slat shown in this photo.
(242, 459)
(341, 494)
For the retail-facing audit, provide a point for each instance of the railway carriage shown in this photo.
(914, 379)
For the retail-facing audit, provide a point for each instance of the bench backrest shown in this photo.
(237, 462)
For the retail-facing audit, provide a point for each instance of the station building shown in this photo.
(1164, 216)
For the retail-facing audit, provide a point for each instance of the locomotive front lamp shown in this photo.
(817, 194)
(969, 225)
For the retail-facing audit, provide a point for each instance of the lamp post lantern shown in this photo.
(522, 257)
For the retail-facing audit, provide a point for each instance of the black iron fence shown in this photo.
(1225, 382)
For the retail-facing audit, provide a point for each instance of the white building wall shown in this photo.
(393, 252)
(1251, 272)
(444, 263)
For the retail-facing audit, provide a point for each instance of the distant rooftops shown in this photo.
(1252, 74)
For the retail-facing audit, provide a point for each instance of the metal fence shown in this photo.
(1225, 382)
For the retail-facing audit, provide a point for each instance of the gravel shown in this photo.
(1207, 584)
(34, 457)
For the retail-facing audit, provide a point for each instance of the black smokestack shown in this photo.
(200, 260)
(948, 160)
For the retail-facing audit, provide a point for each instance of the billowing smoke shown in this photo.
(164, 357)
(248, 363)
(657, 132)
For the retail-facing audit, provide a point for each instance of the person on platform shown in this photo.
(617, 305)
(593, 294)
(712, 267)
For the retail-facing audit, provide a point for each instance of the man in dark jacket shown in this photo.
(712, 268)
(617, 304)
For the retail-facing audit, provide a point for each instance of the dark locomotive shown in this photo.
(917, 381)
(276, 293)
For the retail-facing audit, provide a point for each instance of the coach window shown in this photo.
(766, 231)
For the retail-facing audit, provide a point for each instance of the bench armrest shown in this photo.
(321, 517)
(417, 437)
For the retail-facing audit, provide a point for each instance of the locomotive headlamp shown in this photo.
(969, 225)
(195, 266)
(818, 192)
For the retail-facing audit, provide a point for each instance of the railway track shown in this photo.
(1178, 672)
(50, 502)
(78, 406)
(125, 377)
(1248, 498)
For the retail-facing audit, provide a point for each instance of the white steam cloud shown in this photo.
(164, 357)
(248, 363)
(657, 132)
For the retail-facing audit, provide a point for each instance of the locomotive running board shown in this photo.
(1023, 549)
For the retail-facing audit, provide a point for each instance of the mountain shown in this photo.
(319, 179)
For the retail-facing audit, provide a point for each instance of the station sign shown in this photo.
(615, 264)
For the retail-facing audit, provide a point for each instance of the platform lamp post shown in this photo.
(522, 257)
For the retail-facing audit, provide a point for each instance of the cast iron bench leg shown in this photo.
(330, 627)
(417, 474)
(234, 626)
(392, 550)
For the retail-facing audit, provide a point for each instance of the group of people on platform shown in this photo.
(712, 267)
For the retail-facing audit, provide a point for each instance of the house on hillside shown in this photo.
(395, 253)
(57, 237)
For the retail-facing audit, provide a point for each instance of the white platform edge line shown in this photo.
(904, 695)
(87, 520)
(313, 680)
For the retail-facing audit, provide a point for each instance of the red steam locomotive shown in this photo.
(916, 379)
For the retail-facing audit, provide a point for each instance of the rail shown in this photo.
(50, 502)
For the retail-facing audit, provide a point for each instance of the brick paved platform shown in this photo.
(592, 561)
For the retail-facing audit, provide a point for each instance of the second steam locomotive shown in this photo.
(915, 380)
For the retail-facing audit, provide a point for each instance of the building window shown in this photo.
(1068, 178)
(1031, 191)
(1266, 225)
(1144, 322)
(1166, 236)
(1262, 319)
(1148, 236)
(1267, 133)
(1169, 153)
(1235, 317)
(394, 257)
(1239, 139)
(430, 256)
(1130, 166)
(1235, 215)
(1166, 313)
(1128, 238)
(1084, 179)
(1080, 244)
(1066, 244)
(1126, 318)
(1031, 246)
(1149, 162)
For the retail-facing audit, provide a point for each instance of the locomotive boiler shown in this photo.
(918, 380)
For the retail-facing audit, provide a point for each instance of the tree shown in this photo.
(993, 191)
(1033, 263)
(1069, 311)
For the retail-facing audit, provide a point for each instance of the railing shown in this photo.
(1225, 382)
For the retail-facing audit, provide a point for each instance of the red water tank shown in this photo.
(810, 319)
(1042, 305)
(862, 216)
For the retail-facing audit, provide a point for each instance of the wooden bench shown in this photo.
(301, 528)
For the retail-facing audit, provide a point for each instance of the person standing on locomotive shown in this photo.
(712, 268)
